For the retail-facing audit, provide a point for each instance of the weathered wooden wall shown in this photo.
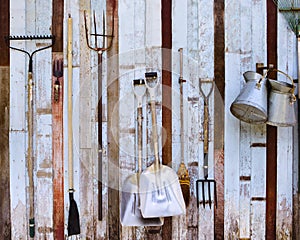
(237, 150)
(4, 124)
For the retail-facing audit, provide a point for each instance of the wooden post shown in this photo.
(166, 31)
(113, 220)
(57, 122)
(219, 72)
(5, 223)
(271, 192)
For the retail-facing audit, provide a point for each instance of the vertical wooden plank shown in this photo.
(127, 117)
(219, 73)
(179, 40)
(42, 121)
(206, 71)
(193, 110)
(166, 35)
(285, 141)
(112, 124)
(17, 133)
(258, 133)
(57, 153)
(57, 122)
(271, 208)
(232, 129)
(5, 220)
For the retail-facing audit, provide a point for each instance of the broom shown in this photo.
(73, 220)
(183, 174)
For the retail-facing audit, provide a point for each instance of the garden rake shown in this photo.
(30, 86)
(100, 49)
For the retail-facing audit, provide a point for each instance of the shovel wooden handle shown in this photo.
(140, 138)
(154, 133)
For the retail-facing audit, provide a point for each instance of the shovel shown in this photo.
(130, 201)
(161, 194)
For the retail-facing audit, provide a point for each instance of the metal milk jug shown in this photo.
(251, 105)
(281, 107)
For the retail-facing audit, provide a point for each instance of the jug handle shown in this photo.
(258, 84)
(293, 97)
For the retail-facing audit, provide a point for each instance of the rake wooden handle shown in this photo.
(30, 146)
(70, 117)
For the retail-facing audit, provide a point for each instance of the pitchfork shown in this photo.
(205, 149)
(99, 49)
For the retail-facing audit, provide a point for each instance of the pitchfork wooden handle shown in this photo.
(205, 128)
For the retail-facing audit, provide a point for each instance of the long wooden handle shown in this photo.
(30, 145)
(181, 105)
(298, 67)
(205, 128)
(154, 133)
(140, 138)
(70, 117)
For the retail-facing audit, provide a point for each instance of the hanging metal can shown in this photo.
(281, 108)
(251, 105)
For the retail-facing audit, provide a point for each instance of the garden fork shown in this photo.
(99, 49)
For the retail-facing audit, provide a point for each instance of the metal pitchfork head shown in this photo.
(103, 35)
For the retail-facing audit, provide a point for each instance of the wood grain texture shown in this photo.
(57, 155)
(271, 130)
(166, 35)
(113, 220)
(5, 218)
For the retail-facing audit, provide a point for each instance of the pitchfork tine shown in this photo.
(209, 195)
(103, 23)
(203, 193)
(95, 29)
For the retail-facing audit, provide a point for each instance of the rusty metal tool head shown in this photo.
(97, 47)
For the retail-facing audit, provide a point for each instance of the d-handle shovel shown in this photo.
(161, 194)
(206, 182)
(130, 200)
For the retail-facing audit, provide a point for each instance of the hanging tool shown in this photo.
(206, 182)
(130, 211)
(100, 50)
(183, 174)
(73, 220)
(161, 194)
(30, 85)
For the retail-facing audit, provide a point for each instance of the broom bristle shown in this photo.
(184, 180)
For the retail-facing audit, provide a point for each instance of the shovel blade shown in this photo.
(161, 194)
(130, 212)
